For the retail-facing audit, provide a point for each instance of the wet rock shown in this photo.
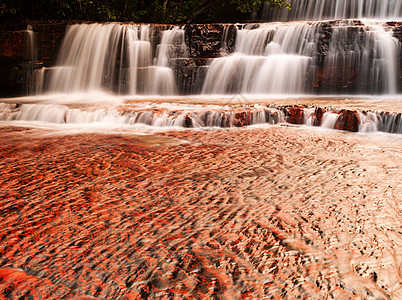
(241, 119)
(317, 117)
(396, 29)
(390, 122)
(188, 123)
(348, 121)
(229, 39)
(190, 74)
(205, 40)
(216, 216)
(295, 114)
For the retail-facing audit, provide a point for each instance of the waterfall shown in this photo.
(185, 116)
(116, 58)
(282, 58)
(366, 55)
(197, 116)
(161, 77)
(273, 58)
(291, 58)
(335, 9)
(33, 75)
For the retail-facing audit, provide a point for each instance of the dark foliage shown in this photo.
(154, 11)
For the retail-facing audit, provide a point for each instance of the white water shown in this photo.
(329, 120)
(32, 75)
(336, 9)
(155, 117)
(282, 58)
(114, 57)
(272, 59)
(269, 59)
(161, 77)
(368, 56)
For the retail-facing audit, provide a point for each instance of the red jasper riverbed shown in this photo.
(273, 213)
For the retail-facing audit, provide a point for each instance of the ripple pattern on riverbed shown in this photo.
(278, 213)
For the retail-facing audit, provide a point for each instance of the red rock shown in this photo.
(84, 298)
(242, 118)
(295, 114)
(317, 117)
(348, 121)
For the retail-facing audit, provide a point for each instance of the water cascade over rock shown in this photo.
(309, 57)
(116, 58)
(333, 57)
(335, 9)
(361, 58)
(160, 116)
(272, 58)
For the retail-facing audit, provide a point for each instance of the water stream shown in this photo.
(281, 58)
(336, 9)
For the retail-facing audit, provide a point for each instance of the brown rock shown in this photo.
(295, 114)
(348, 120)
(242, 118)
(317, 117)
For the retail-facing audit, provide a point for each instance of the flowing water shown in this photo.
(336, 9)
(267, 60)
(115, 57)
(290, 58)
(283, 58)
(115, 184)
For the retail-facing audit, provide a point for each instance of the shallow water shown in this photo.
(278, 212)
(101, 112)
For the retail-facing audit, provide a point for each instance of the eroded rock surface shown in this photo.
(278, 213)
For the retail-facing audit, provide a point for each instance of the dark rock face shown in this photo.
(204, 41)
(17, 58)
(12, 50)
(317, 117)
(324, 39)
(190, 74)
(229, 39)
(348, 75)
(397, 29)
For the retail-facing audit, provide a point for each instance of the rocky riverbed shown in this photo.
(276, 212)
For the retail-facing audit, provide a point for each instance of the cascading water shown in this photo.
(362, 57)
(273, 58)
(325, 57)
(161, 76)
(348, 57)
(287, 58)
(114, 57)
(335, 9)
(33, 76)
(336, 57)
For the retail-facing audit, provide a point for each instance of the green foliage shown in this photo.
(157, 11)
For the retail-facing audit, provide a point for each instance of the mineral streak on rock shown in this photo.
(277, 213)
